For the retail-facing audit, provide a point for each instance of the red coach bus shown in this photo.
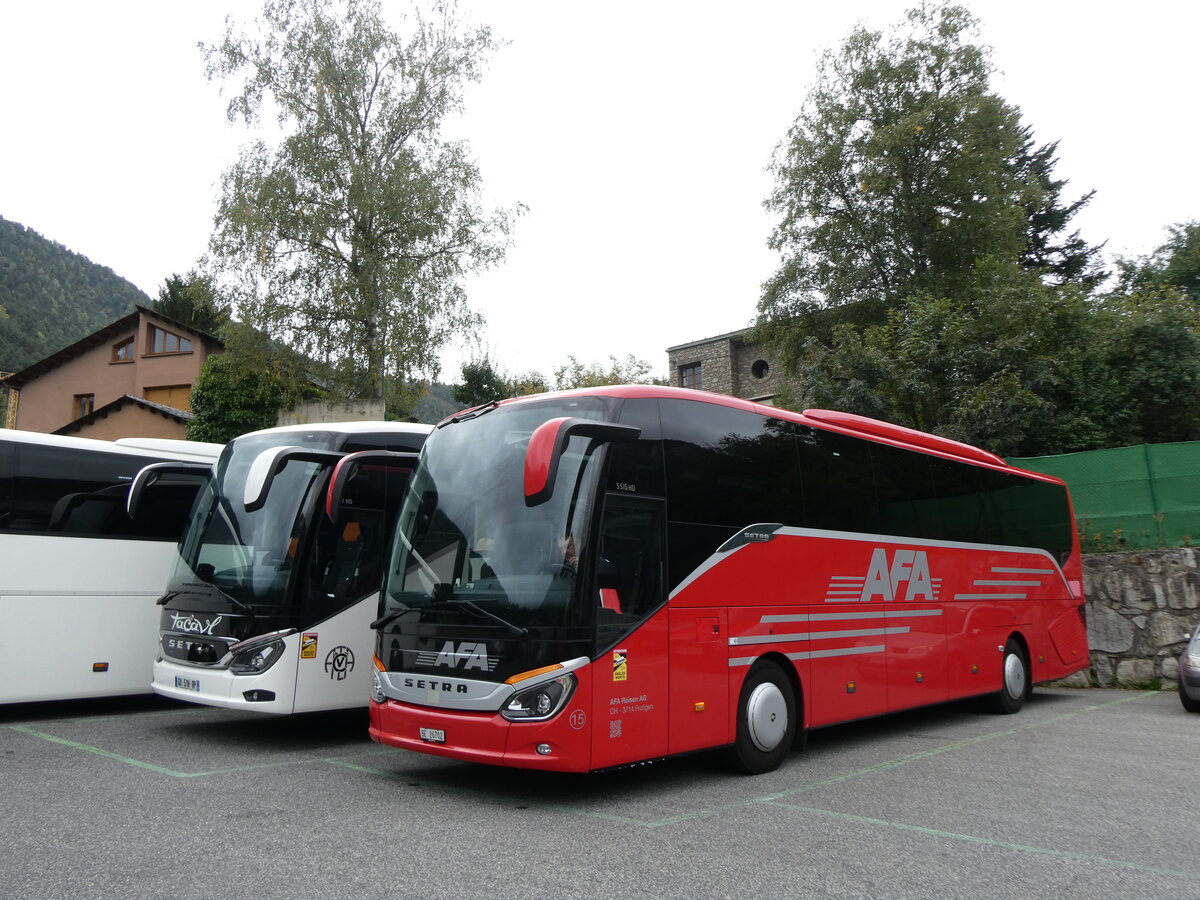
(595, 578)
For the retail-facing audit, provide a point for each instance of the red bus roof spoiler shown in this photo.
(910, 436)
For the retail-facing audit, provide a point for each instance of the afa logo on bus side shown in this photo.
(884, 579)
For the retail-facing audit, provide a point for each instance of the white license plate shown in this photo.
(433, 735)
(187, 684)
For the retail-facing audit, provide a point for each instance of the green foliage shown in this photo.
(192, 301)
(578, 375)
(481, 384)
(244, 388)
(229, 399)
(1176, 264)
(527, 383)
(901, 172)
(1019, 366)
(51, 297)
(348, 240)
(1151, 343)
(1009, 366)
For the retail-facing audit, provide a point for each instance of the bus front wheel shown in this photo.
(1015, 681)
(766, 723)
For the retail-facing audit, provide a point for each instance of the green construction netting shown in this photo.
(1131, 497)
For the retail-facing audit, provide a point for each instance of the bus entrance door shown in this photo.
(630, 696)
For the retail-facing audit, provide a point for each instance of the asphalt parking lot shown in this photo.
(1084, 793)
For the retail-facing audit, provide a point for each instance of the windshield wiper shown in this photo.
(473, 413)
(209, 590)
(443, 598)
(388, 618)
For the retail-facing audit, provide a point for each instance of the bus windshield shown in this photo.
(467, 544)
(248, 556)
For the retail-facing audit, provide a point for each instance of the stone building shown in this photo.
(730, 364)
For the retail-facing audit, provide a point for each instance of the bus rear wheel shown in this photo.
(766, 722)
(1015, 685)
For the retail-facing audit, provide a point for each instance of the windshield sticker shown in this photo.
(620, 665)
(308, 645)
(339, 663)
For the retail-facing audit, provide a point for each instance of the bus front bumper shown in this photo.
(481, 737)
(220, 687)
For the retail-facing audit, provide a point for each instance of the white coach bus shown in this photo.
(79, 577)
(278, 575)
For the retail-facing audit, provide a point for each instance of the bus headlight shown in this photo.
(540, 702)
(255, 657)
(377, 693)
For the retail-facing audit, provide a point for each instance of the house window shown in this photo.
(83, 405)
(123, 351)
(689, 376)
(160, 340)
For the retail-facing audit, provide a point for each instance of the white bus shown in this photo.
(78, 577)
(271, 605)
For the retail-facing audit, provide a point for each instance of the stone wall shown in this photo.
(1139, 608)
(729, 364)
(319, 412)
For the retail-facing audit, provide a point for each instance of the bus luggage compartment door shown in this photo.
(699, 704)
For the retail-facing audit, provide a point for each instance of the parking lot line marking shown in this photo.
(991, 842)
(768, 799)
(945, 748)
(539, 804)
(777, 796)
(151, 767)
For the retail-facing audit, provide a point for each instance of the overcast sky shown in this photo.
(637, 133)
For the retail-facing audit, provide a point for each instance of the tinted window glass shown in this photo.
(905, 493)
(839, 489)
(82, 493)
(728, 466)
(636, 467)
(966, 506)
(1033, 513)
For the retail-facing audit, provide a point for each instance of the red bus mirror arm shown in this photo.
(549, 440)
(347, 466)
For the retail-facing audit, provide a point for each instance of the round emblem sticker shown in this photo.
(339, 663)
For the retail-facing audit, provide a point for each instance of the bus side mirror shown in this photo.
(549, 440)
(270, 463)
(347, 467)
(148, 475)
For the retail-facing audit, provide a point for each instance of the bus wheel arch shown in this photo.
(768, 716)
(1016, 677)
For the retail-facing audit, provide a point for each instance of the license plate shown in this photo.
(187, 684)
(433, 735)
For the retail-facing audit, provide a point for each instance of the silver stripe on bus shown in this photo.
(991, 596)
(816, 636)
(849, 616)
(998, 583)
(861, 537)
(814, 654)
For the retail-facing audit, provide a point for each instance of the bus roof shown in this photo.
(177, 449)
(359, 427)
(824, 419)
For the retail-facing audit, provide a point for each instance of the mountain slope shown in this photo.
(51, 297)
